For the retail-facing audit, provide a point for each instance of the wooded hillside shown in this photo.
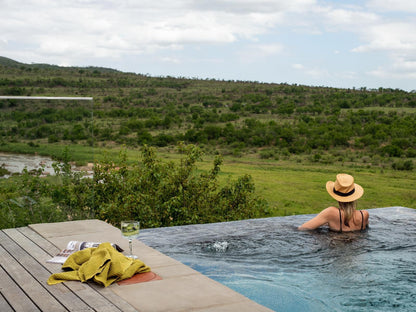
(317, 124)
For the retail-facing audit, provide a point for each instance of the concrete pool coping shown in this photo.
(181, 287)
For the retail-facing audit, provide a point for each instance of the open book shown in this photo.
(74, 246)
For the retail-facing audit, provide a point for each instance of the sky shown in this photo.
(333, 43)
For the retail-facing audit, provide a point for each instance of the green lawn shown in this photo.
(292, 188)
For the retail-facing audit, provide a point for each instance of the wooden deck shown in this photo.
(24, 273)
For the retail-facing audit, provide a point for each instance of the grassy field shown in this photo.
(291, 187)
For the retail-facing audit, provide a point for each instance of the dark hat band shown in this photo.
(344, 194)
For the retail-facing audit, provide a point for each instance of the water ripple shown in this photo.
(273, 263)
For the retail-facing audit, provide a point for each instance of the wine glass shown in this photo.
(130, 230)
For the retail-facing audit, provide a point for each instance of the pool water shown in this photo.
(271, 262)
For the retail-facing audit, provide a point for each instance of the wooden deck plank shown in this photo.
(16, 262)
(13, 294)
(50, 250)
(75, 296)
(32, 289)
(4, 305)
(28, 253)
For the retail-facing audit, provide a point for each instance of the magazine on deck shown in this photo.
(74, 246)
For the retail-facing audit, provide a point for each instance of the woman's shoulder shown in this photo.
(330, 212)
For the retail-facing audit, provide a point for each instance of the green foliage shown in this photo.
(403, 165)
(3, 170)
(136, 110)
(33, 198)
(165, 194)
(350, 129)
(156, 193)
(25, 200)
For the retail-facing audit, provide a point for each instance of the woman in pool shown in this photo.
(345, 218)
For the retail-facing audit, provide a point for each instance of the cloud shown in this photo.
(353, 19)
(314, 72)
(391, 36)
(112, 28)
(171, 60)
(400, 68)
(407, 6)
(298, 66)
(252, 6)
(81, 32)
(269, 49)
(399, 42)
(388, 35)
(347, 75)
(255, 52)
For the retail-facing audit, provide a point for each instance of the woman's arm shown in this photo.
(321, 219)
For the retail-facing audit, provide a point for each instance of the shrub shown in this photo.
(267, 154)
(403, 165)
(25, 200)
(53, 138)
(392, 150)
(165, 194)
(3, 170)
(156, 193)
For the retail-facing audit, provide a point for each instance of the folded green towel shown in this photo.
(102, 264)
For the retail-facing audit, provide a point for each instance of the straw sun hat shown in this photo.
(344, 189)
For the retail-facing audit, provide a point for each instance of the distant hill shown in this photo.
(5, 61)
(9, 62)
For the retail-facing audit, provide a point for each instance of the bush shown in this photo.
(32, 198)
(156, 193)
(403, 165)
(3, 171)
(267, 154)
(25, 200)
(53, 138)
(166, 194)
(392, 150)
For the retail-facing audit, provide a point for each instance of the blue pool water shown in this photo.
(274, 264)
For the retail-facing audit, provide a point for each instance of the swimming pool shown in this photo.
(271, 262)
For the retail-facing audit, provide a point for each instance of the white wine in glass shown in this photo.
(130, 230)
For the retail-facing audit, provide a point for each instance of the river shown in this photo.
(15, 163)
